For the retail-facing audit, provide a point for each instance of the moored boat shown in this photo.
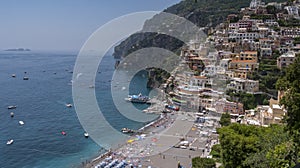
(127, 130)
(21, 122)
(86, 135)
(9, 142)
(11, 107)
(69, 105)
(138, 98)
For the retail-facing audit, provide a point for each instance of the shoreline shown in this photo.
(96, 160)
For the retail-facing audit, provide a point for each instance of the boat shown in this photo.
(21, 122)
(25, 78)
(12, 114)
(138, 98)
(11, 107)
(63, 133)
(9, 142)
(92, 86)
(127, 130)
(86, 134)
(171, 107)
(13, 75)
(69, 105)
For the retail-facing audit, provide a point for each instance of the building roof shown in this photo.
(200, 77)
(276, 106)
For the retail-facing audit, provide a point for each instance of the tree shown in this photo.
(246, 146)
(290, 83)
(225, 119)
(283, 155)
(198, 162)
(216, 151)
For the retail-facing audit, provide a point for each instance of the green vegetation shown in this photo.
(262, 17)
(289, 23)
(268, 74)
(290, 83)
(225, 119)
(201, 12)
(157, 77)
(272, 10)
(216, 151)
(248, 146)
(247, 99)
(198, 162)
(297, 40)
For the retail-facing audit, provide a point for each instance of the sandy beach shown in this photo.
(158, 146)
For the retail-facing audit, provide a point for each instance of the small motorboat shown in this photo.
(86, 134)
(11, 107)
(63, 133)
(127, 130)
(92, 86)
(25, 78)
(69, 105)
(12, 114)
(21, 122)
(9, 142)
(13, 75)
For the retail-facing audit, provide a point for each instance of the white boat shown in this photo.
(86, 134)
(69, 105)
(127, 130)
(25, 78)
(9, 142)
(21, 122)
(11, 107)
(137, 98)
(13, 75)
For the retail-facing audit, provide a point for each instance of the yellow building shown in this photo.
(247, 60)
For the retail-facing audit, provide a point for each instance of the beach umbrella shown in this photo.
(130, 140)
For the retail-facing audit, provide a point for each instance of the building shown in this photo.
(225, 106)
(272, 114)
(243, 85)
(265, 52)
(286, 59)
(245, 60)
(290, 32)
(241, 36)
(201, 81)
(212, 70)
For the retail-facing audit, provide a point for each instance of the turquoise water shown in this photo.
(41, 105)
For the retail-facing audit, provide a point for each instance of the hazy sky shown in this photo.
(62, 24)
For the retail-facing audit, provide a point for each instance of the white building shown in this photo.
(286, 59)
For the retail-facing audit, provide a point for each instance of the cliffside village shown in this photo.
(230, 56)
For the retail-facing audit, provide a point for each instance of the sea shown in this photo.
(41, 104)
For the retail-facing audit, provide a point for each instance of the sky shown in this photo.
(62, 25)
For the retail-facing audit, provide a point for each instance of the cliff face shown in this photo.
(200, 12)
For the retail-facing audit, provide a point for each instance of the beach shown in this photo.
(158, 145)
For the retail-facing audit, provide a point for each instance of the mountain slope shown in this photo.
(200, 12)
